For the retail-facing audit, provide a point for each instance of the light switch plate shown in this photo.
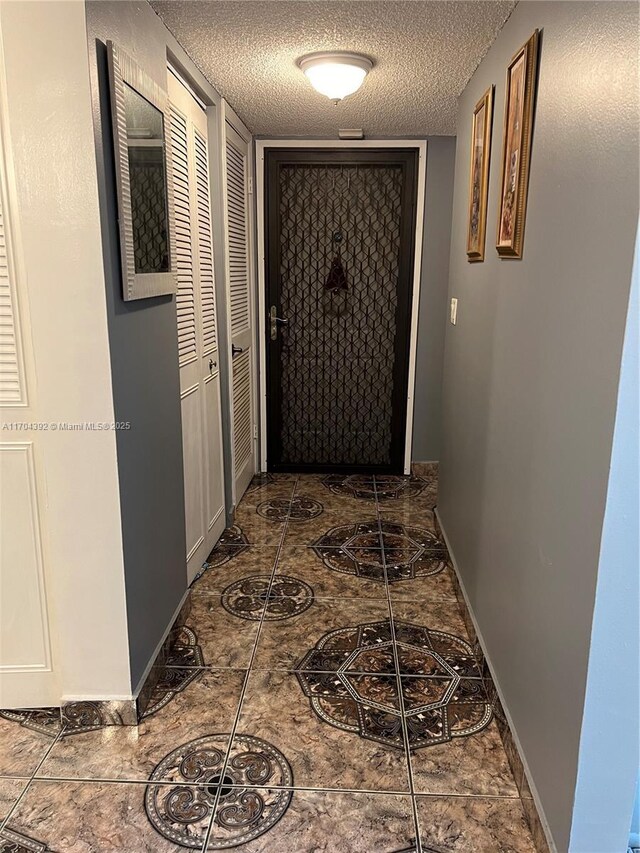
(454, 311)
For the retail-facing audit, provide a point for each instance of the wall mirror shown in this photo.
(143, 163)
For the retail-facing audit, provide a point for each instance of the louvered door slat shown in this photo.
(185, 299)
(237, 237)
(242, 437)
(11, 391)
(205, 247)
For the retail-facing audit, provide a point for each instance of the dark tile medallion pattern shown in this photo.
(260, 480)
(80, 717)
(354, 486)
(265, 478)
(12, 841)
(74, 718)
(45, 721)
(231, 543)
(182, 814)
(391, 488)
(293, 509)
(172, 681)
(256, 598)
(388, 550)
(184, 649)
(175, 668)
(358, 691)
(384, 488)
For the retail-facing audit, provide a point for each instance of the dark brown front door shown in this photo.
(340, 249)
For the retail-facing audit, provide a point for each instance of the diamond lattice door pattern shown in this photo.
(340, 249)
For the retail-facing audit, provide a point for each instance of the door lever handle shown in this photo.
(273, 322)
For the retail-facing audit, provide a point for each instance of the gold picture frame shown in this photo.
(479, 176)
(516, 148)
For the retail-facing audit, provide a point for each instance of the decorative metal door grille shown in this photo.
(337, 352)
(336, 363)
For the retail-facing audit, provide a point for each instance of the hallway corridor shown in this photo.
(322, 695)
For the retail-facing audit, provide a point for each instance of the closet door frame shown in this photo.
(261, 222)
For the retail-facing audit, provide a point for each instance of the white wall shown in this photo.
(51, 135)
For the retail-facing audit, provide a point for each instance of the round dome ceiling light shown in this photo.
(335, 74)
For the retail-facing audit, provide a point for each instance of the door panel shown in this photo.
(197, 332)
(240, 315)
(340, 248)
(192, 447)
(25, 637)
(242, 437)
(213, 434)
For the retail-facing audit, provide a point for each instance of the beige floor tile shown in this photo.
(283, 644)
(309, 532)
(330, 822)
(225, 640)
(320, 755)
(92, 817)
(10, 790)
(25, 742)
(252, 561)
(333, 577)
(473, 765)
(473, 825)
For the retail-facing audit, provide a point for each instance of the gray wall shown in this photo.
(144, 363)
(432, 316)
(531, 375)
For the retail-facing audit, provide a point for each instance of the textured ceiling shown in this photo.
(424, 54)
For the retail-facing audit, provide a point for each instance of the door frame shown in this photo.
(261, 145)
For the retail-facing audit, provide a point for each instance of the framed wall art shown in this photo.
(479, 176)
(139, 111)
(516, 148)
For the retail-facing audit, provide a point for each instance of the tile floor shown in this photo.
(324, 696)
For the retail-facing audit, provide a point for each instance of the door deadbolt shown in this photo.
(273, 322)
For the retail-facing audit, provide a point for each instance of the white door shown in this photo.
(197, 329)
(239, 307)
(28, 677)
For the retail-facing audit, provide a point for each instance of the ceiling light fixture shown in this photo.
(336, 74)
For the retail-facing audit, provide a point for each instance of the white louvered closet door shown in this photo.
(197, 332)
(237, 223)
